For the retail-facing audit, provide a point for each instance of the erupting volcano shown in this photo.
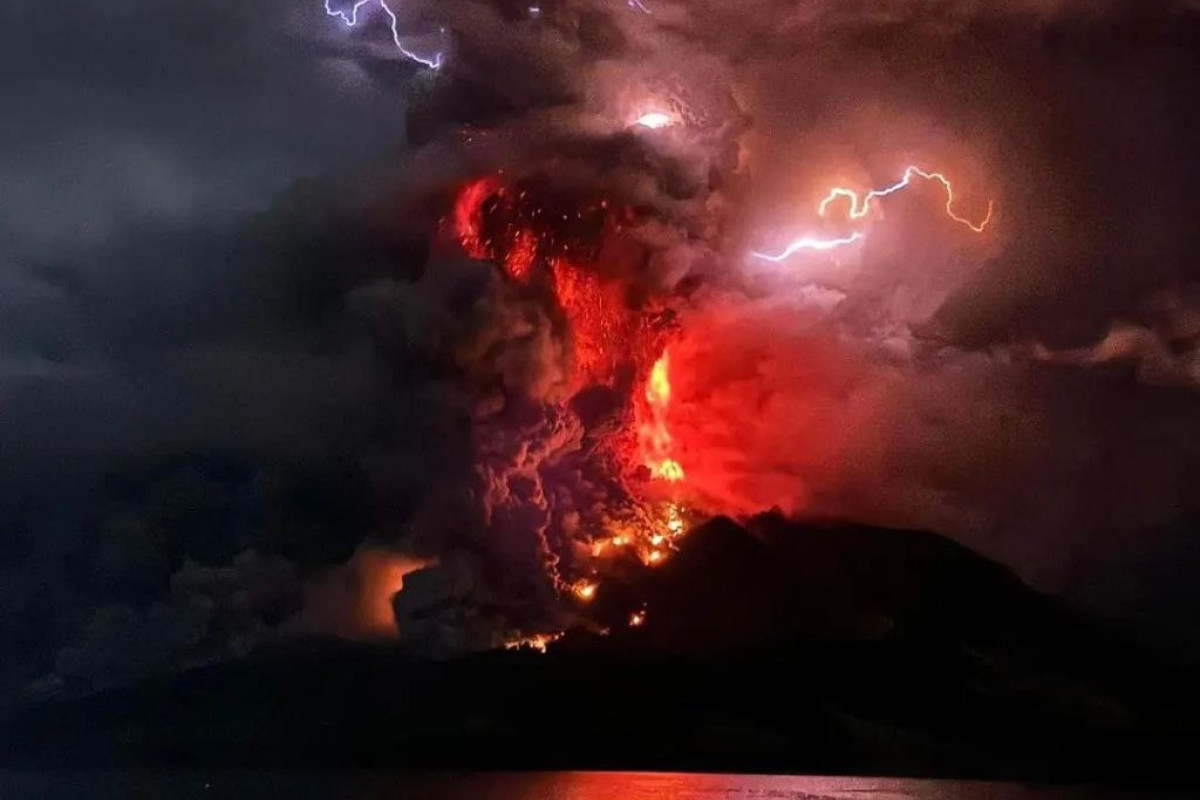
(573, 255)
(782, 385)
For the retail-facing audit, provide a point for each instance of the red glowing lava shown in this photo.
(468, 215)
(655, 437)
(521, 226)
(573, 255)
(601, 326)
(563, 243)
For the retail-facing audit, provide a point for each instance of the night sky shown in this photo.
(245, 382)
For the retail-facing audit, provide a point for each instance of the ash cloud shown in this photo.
(1022, 392)
(179, 281)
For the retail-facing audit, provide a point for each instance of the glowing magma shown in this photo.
(860, 207)
(657, 444)
(568, 251)
(350, 17)
(538, 642)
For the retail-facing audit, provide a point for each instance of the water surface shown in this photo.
(526, 786)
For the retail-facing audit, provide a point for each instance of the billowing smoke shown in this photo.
(537, 344)
(618, 167)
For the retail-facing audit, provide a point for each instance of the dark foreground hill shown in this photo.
(780, 648)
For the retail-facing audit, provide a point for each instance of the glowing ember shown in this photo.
(584, 590)
(674, 521)
(522, 227)
(538, 642)
(655, 557)
(468, 214)
(605, 546)
(637, 619)
(519, 260)
(600, 326)
(655, 120)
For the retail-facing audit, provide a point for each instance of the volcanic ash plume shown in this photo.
(689, 261)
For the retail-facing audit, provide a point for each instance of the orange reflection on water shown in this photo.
(680, 786)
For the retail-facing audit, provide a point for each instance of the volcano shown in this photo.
(769, 647)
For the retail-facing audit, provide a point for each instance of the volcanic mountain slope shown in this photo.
(773, 647)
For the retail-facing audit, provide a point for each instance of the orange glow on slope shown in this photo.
(538, 642)
(382, 576)
(354, 600)
(860, 205)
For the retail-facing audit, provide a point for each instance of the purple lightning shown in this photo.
(860, 206)
(351, 19)
(810, 243)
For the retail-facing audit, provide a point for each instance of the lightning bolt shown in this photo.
(810, 243)
(860, 206)
(350, 17)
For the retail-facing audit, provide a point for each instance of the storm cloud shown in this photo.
(237, 351)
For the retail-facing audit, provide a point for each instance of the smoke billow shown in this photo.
(930, 378)
(463, 334)
(909, 382)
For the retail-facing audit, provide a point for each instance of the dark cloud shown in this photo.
(211, 613)
(170, 400)
(235, 345)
